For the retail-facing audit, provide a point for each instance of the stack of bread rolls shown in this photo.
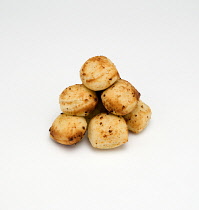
(104, 104)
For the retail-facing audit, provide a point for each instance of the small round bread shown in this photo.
(107, 131)
(78, 100)
(121, 98)
(139, 118)
(98, 73)
(68, 130)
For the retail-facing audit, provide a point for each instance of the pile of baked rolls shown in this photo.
(104, 104)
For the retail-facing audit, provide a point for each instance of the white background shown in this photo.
(155, 46)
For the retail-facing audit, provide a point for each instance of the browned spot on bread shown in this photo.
(137, 94)
(91, 80)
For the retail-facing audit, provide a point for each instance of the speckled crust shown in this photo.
(68, 130)
(98, 73)
(78, 100)
(121, 98)
(107, 131)
(139, 118)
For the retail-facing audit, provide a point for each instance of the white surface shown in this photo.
(155, 46)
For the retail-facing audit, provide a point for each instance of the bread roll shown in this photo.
(139, 118)
(98, 73)
(107, 131)
(68, 130)
(78, 100)
(121, 98)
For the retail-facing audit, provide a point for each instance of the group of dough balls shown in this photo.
(104, 104)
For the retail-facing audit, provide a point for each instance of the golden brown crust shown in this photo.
(139, 118)
(98, 73)
(68, 130)
(121, 98)
(107, 131)
(78, 100)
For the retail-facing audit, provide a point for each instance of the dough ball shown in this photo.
(68, 130)
(107, 131)
(121, 98)
(139, 118)
(78, 100)
(98, 73)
